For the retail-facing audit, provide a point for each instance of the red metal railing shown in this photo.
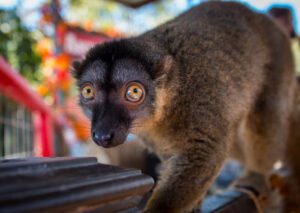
(13, 86)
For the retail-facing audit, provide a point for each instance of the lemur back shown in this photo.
(216, 80)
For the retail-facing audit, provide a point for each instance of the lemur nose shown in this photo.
(102, 139)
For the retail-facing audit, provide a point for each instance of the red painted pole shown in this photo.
(43, 138)
(16, 88)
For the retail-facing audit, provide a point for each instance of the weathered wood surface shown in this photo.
(69, 185)
(83, 185)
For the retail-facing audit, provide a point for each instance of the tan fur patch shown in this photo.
(162, 99)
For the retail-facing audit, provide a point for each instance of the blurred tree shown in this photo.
(109, 14)
(17, 45)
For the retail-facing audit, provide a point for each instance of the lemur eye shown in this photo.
(135, 92)
(87, 92)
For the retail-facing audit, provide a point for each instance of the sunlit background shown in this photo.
(101, 15)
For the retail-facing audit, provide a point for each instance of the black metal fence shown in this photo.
(16, 130)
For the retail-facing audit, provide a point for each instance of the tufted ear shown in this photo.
(162, 67)
(75, 69)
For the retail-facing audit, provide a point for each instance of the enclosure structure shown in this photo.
(26, 123)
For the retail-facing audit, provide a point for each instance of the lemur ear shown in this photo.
(163, 66)
(75, 68)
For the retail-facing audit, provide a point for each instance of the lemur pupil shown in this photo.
(135, 90)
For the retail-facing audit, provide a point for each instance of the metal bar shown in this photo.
(24, 97)
(16, 130)
(11, 81)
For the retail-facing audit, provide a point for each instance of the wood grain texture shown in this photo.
(69, 185)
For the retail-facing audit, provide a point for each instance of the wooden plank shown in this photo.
(69, 184)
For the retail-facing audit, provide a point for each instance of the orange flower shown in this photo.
(42, 90)
(44, 47)
(62, 62)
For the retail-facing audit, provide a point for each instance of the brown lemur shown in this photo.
(216, 81)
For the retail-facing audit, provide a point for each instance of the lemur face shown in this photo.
(116, 96)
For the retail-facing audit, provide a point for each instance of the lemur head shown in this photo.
(117, 88)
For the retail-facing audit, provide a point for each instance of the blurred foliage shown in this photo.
(17, 45)
(128, 21)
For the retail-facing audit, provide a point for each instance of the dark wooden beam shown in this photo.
(84, 185)
(69, 185)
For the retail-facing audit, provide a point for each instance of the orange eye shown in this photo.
(88, 92)
(135, 92)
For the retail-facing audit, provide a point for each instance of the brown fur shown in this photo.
(230, 88)
(237, 90)
(293, 159)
